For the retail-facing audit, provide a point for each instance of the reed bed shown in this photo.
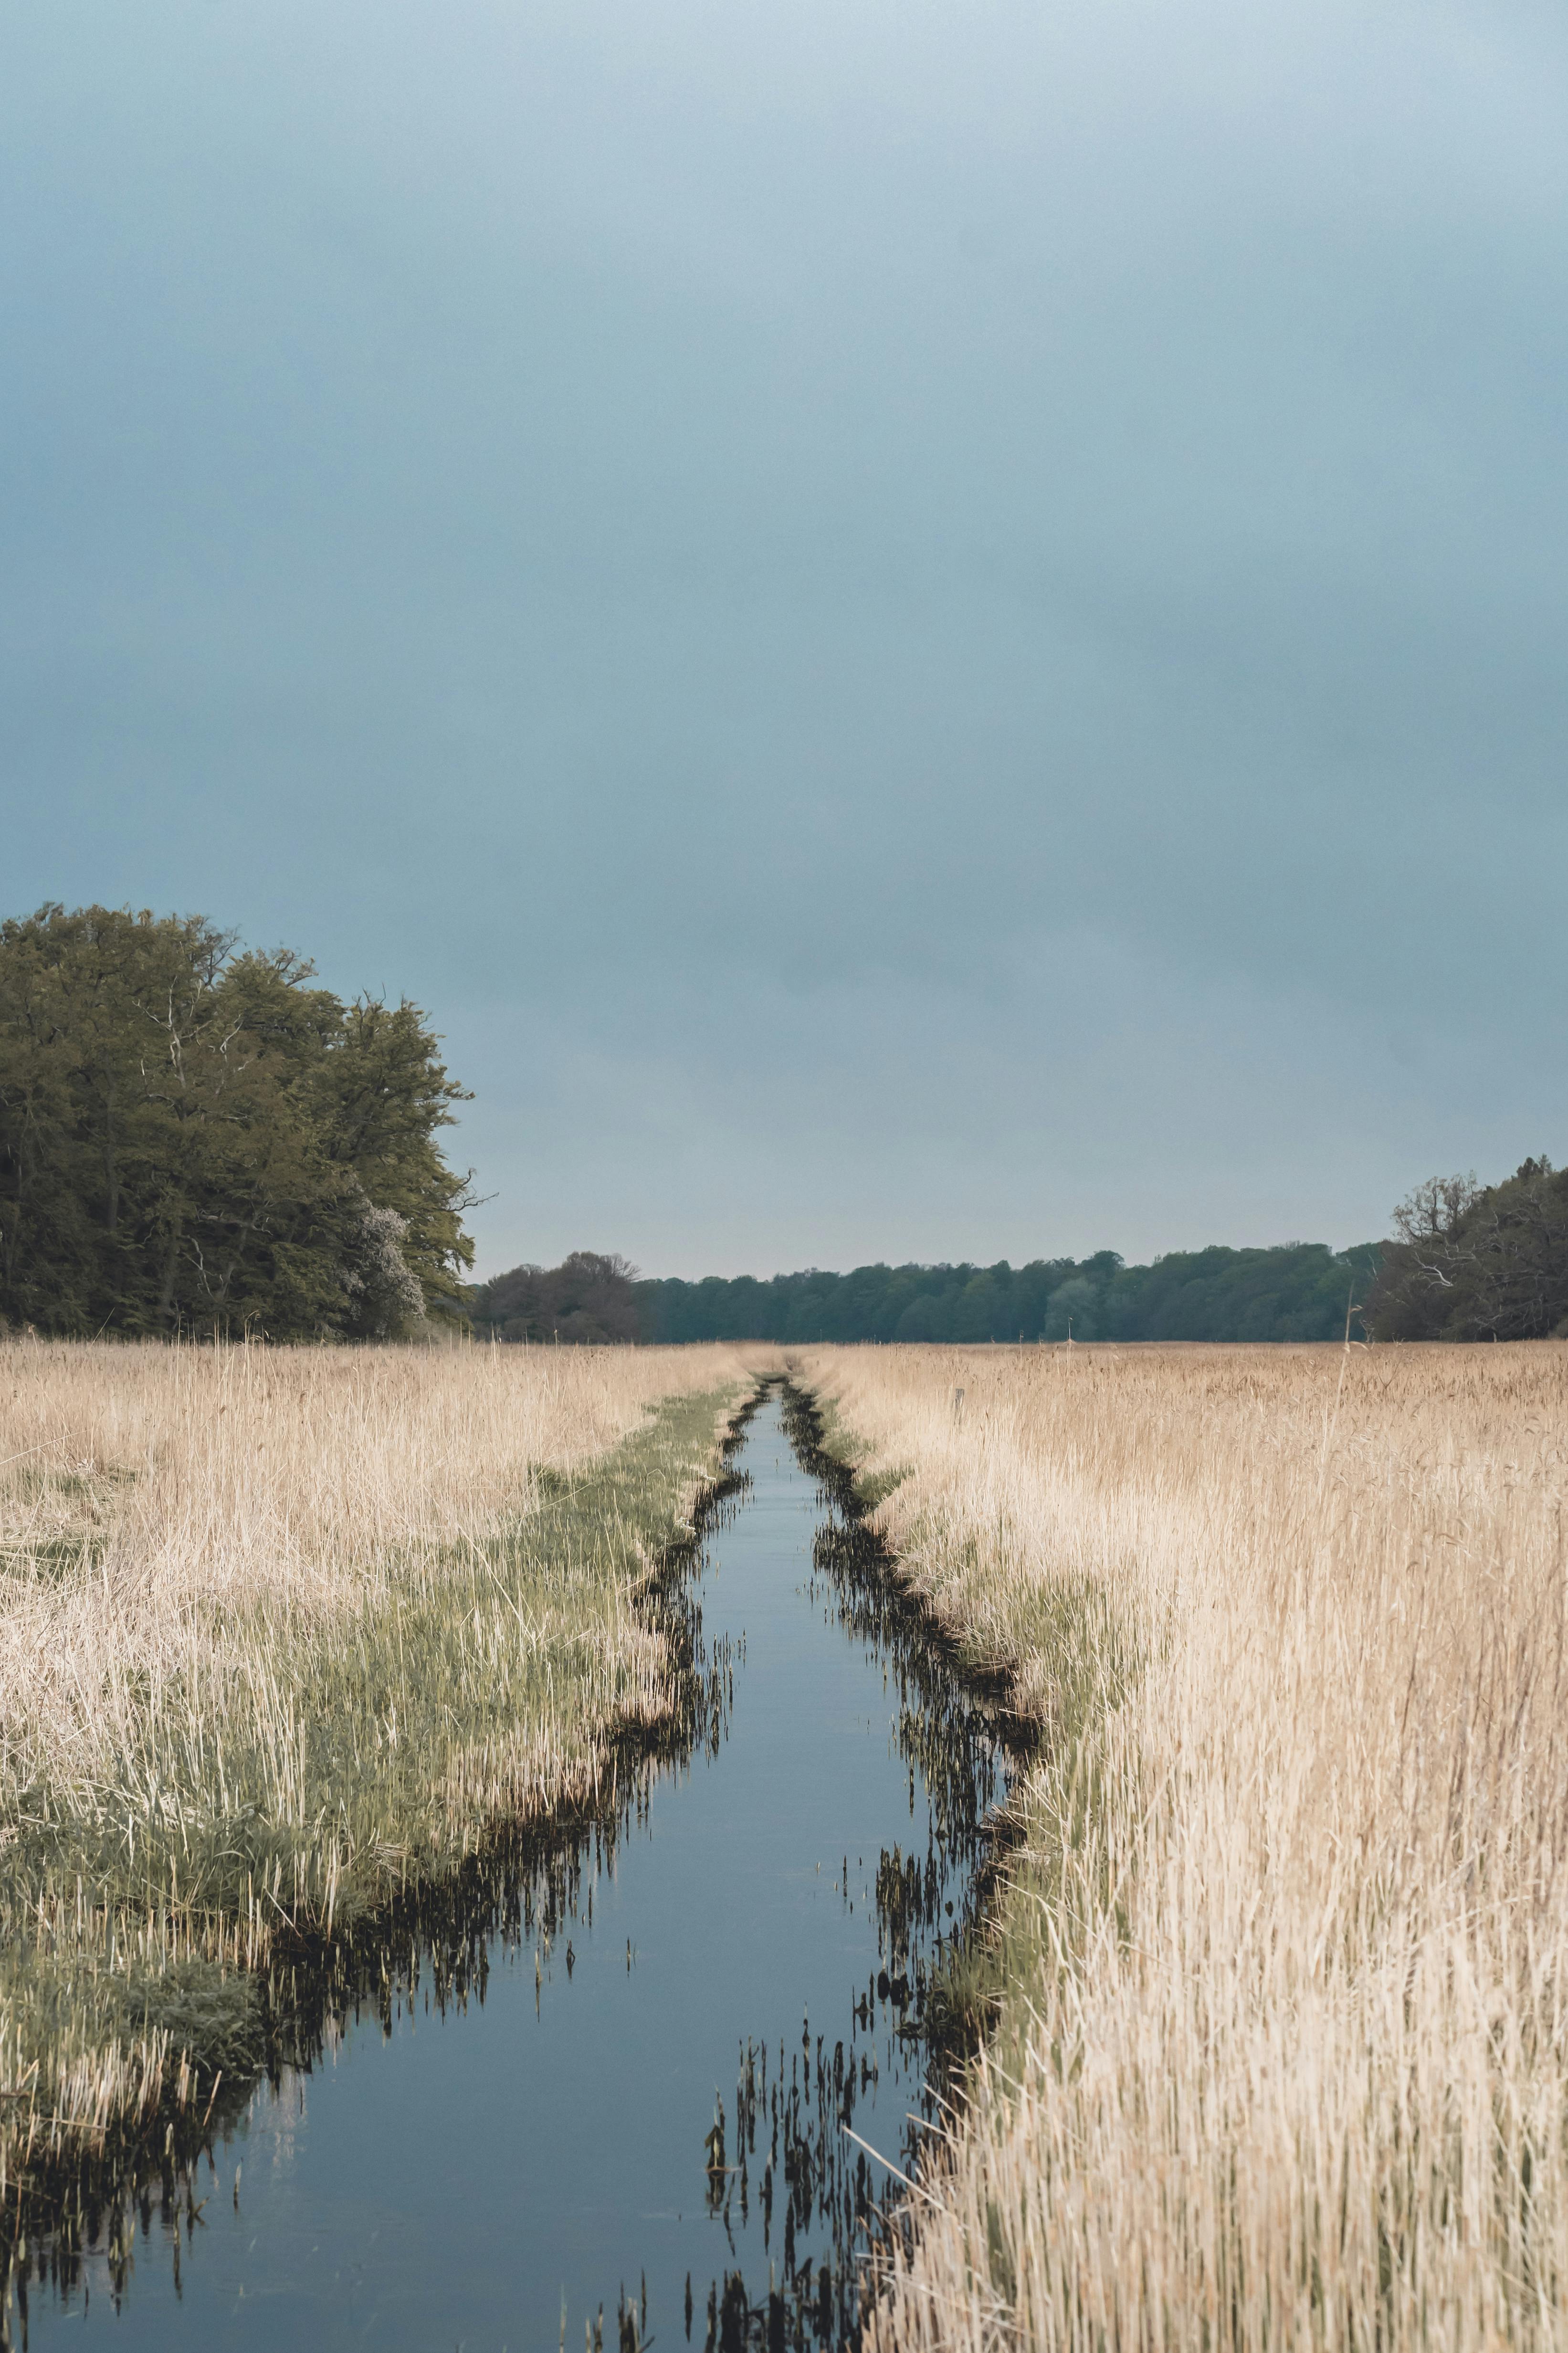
(283, 1631)
(1279, 2056)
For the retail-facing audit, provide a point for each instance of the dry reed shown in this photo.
(283, 1630)
(1280, 2056)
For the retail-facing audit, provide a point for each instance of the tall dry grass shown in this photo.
(1280, 2059)
(152, 1499)
(281, 1631)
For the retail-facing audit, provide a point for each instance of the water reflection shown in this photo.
(651, 2073)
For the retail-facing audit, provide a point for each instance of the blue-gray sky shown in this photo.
(929, 630)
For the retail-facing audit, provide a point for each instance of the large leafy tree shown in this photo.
(198, 1138)
(588, 1297)
(1478, 1262)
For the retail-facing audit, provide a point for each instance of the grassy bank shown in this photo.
(1279, 2057)
(282, 1634)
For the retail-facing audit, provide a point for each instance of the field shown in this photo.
(1280, 2054)
(1273, 2041)
(281, 1632)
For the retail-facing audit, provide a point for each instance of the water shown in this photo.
(638, 2080)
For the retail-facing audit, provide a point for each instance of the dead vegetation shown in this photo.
(281, 1631)
(1279, 2058)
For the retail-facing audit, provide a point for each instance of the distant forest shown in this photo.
(1302, 1290)
(197, 1139)
(1466, 1262)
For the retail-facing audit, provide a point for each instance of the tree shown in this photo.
(1071, 1311)
(589, 1297)
(1478, 1263)
(1298, 1291)
(196, 1139)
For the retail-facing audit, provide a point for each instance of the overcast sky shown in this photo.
(928, 630)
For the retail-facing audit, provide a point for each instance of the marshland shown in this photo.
(416, 1762)
(768, 770)
(285, 1633)
(1276, 2050)
(630, 1762)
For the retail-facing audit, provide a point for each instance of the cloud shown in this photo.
(1033, 540)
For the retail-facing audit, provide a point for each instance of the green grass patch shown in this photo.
(1049, 1877)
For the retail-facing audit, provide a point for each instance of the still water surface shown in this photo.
(650, 2098)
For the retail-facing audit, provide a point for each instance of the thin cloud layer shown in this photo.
(929, 632)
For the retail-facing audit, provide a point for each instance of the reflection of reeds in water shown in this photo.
(796, 2154)
(1277, 2055)
(283, 1635)
(524, 1885)
(785, 2155)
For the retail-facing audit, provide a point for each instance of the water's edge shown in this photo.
(318, 1981)
(957, 2027)
(524, 1879)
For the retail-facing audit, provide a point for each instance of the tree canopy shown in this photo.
(1299, 1292)
(588, 1297)
(195, 1137)
(1472, 1261)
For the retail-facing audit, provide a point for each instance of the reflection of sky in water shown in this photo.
(277, 2117)
(673, 2086)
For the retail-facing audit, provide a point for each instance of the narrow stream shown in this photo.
(639, 2101)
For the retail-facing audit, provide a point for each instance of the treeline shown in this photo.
(1474, 1261)
(1466, 1262)
(196, 1138)
(1302, 1290)
(588, 1297)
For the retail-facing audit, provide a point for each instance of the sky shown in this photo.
(929, 630)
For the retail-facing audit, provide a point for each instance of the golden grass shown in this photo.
(283, 1631)
(1281, 2056)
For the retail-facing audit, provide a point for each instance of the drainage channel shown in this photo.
(664, 2090)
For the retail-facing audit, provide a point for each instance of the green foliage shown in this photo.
(1071, 1310)
(1478, 1263)
(196, 1139)
(1300, 1291)
(588, 1298)
(1033, 1920)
